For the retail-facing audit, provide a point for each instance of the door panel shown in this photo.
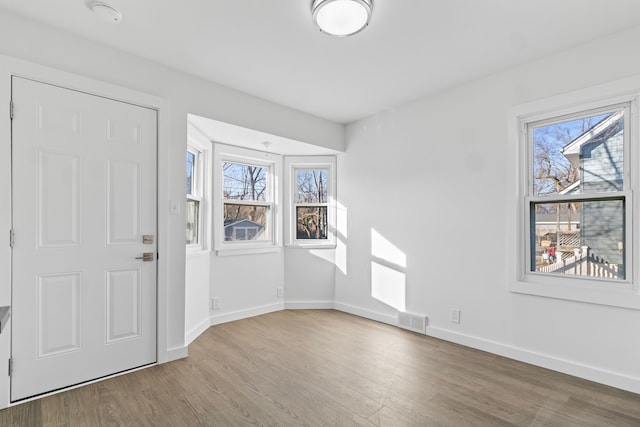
(59, 199)
(58, 308)
(123, 203)
(84, 190)
(123, 304)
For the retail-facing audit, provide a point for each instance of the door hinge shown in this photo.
(12, 237)
(11, 109)
(10, 367)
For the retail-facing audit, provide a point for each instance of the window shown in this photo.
(576, 180)
(197, 207)
(194, 196)
(311, 183)
(247, 202)
(577, 199)
(248, 194)
(311, 204)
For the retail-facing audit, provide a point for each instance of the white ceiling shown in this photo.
(271, 48)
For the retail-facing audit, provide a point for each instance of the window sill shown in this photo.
(597, 293)
(197, 251)
(312, 246)
(247, 251)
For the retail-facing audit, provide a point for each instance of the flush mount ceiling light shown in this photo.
(106, 12)
(341, 17)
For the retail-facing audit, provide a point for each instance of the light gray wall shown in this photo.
(184, 94)
(309, 277)
(449, 171)
(449, 160)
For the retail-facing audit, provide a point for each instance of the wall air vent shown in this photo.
(413, 322)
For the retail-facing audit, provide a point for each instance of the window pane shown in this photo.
(584, 238)
(579, 155)
(311, 185)
(244, 182)
(191, 159)
(311, 222)
(242, 222)
(193, 214)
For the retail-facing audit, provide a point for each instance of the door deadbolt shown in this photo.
(147, 256)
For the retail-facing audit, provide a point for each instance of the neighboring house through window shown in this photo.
(577, 173)
(247, 216)
(247, 199)
(576, 180)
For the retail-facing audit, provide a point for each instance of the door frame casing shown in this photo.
(15, 67)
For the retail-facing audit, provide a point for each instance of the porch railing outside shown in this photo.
(580, 264)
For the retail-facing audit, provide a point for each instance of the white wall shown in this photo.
(246, 285)
(187, 94)
(183, 94)
(440, 196)
(432, 178)
(309, 278)
(197, 282)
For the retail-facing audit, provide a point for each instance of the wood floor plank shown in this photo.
(327, 368)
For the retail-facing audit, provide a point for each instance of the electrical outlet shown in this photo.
(279, 292)
(454, 315)
(215, 303)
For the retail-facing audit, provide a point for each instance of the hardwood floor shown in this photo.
(323, 367)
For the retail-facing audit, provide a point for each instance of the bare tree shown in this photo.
(244, 182)
(553, 172)
(311, 189)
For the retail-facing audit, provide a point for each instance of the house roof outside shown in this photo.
(571, 188)
(234, 223)
(572, 150)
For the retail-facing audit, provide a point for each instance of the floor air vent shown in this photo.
(412, 322)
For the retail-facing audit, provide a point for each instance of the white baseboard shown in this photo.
(576, 369)
(591, 373)
(217, 319)
(367, 314)
(175, 354)
(309, 305)
(197, 330)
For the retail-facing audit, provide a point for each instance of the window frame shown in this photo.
(613, 292)
(292, 165)
(198, 186)
(273, 163)
(591, 196)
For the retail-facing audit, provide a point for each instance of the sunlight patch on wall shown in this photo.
(388, 278)
(388, 286)
(341, 220)
(385, 250)
(341, 256)
(325, 254)
(341, 237)
(337, 256)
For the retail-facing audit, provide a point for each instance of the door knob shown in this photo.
(147, 256)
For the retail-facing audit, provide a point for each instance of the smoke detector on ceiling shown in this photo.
(106, 12)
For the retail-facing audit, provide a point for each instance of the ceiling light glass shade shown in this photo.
(341, 17)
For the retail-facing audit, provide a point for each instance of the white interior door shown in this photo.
(84, 195)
